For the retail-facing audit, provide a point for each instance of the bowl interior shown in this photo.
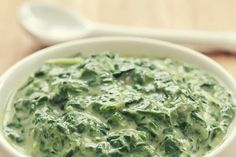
(138, 47)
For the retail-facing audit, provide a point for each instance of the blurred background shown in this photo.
(207, 15)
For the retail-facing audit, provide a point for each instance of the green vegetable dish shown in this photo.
(105, 105)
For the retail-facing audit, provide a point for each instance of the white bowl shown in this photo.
(17, 74)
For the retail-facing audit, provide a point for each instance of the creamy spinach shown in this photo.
(104, 105)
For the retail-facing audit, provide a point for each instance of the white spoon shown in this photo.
(51, 25)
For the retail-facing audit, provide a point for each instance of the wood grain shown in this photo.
(212, 15)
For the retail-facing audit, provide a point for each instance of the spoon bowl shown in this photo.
(51, 24)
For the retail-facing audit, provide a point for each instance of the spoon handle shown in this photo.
(200, 40)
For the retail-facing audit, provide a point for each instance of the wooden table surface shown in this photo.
(212, 15)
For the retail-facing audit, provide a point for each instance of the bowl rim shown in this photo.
(10, 150)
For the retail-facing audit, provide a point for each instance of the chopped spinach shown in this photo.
(105, 105)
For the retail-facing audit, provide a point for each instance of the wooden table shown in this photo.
(213, 15)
